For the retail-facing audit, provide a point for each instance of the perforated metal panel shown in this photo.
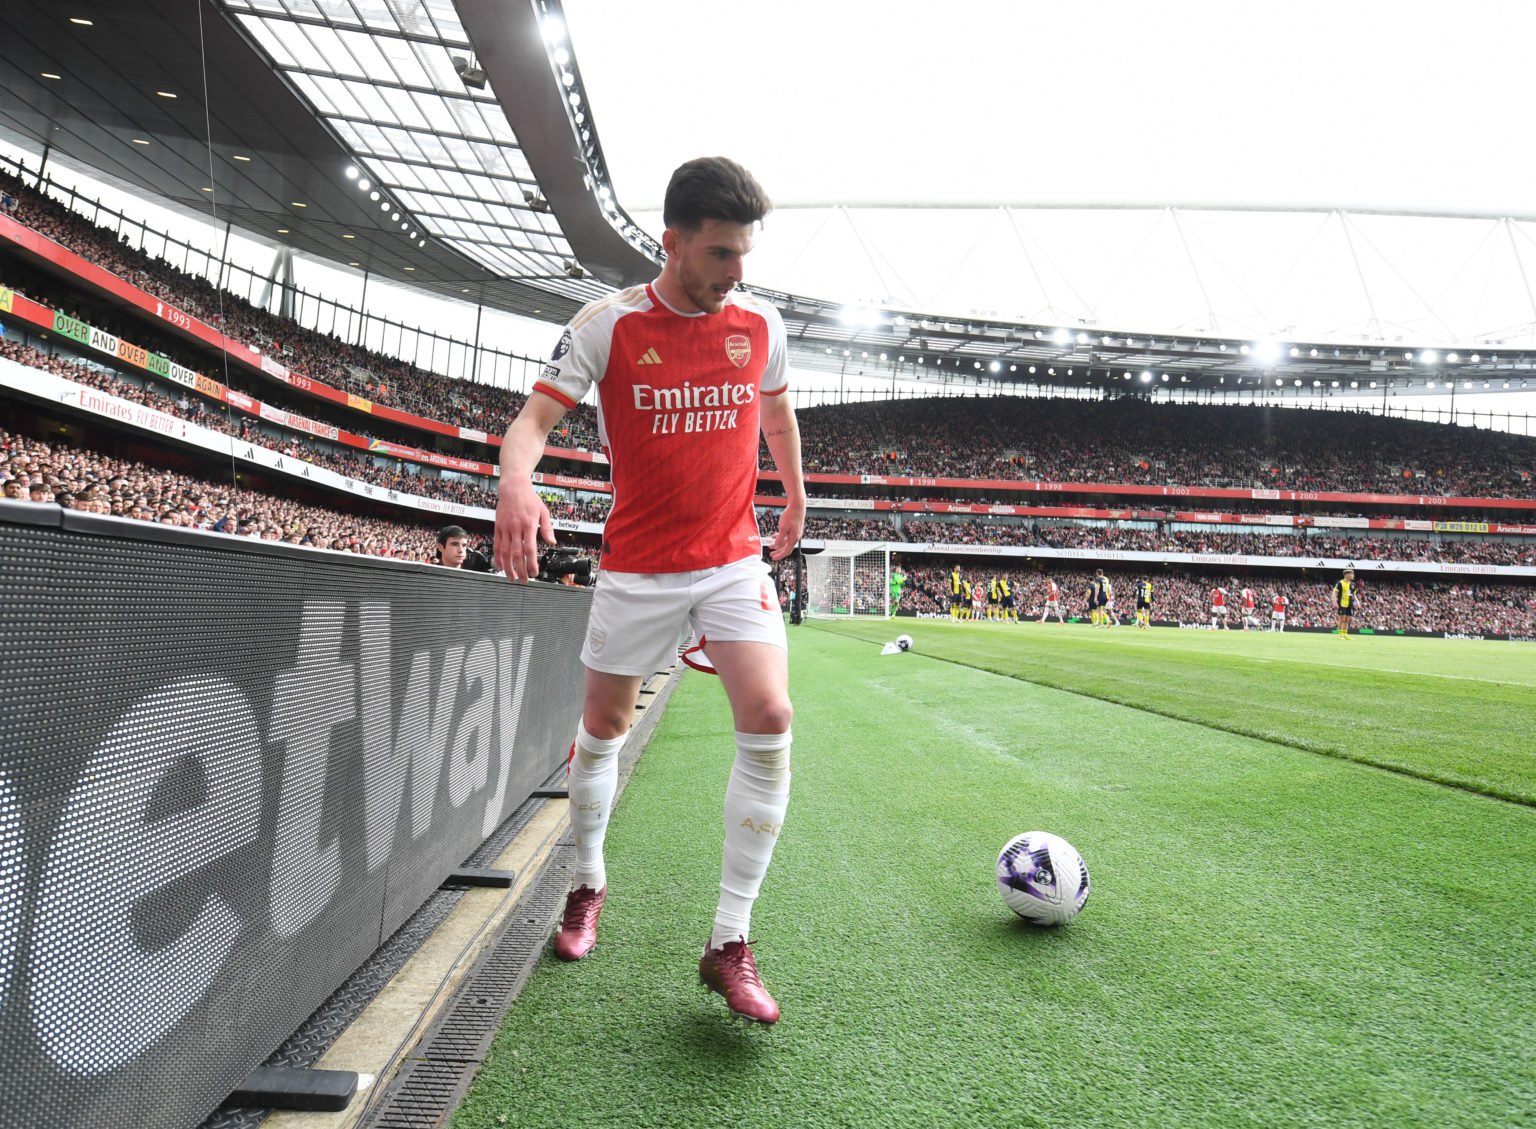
(228, 771)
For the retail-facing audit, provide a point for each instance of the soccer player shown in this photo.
(957, 594)
(1246, 599)
(1277, 612)
(1098, 599)
(1052, 601)
(1346, 595)
(1107, 602)
(897, 583)
(1218, 608)
(1006, 611)
(1144, 604)
(688, 371)
(978, 601)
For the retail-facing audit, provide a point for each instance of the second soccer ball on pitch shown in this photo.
(904, 642)
(1042, 878)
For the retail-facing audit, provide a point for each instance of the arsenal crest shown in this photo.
(739, 349)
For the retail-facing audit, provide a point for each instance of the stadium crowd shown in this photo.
(1128, 441)
(471, 490)
(95, 483)
(392, 474)
(1237, 542)
(1138, 442)
(322, 357)
(91, 482)
(1452, 605)
(998, 438)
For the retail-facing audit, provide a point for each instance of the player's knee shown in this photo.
(605, 724)
(770, 714)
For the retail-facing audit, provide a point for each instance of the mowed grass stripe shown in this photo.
(1273, 938)
(1340, 697)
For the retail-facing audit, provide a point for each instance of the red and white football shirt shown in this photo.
(678, 413)
(1281, 602)
(1247, 600)
(1218, 598)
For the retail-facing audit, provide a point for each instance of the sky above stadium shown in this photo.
(1016, 159)
(1413, 105)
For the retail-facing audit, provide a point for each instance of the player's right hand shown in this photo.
(522, 521)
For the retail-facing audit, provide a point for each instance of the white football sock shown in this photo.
(593, 779)
(755, 801)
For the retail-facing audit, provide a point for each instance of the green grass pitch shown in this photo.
(1314, 888)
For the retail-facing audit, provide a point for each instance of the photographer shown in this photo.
(564, 564)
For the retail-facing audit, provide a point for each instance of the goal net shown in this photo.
(849, 580)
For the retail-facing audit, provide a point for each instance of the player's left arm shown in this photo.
(781, 431)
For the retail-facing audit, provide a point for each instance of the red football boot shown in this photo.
(731, 971)
(578, 925)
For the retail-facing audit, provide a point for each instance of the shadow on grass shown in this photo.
(1014, 930)
(713, 1035)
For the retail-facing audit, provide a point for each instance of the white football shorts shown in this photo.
(638, 618)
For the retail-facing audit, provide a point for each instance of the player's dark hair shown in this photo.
(713, 188)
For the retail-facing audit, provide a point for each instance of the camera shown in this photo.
(563, 561)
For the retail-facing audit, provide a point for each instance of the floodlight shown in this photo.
(469, 74)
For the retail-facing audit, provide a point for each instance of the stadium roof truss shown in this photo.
(396, 81)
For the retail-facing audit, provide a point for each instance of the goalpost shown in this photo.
(849, 579)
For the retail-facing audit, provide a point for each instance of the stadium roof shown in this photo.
(1311, 172)
(294, 93)
(1074, 193)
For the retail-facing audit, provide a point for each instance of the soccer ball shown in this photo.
(1042, 878)
(904, 642)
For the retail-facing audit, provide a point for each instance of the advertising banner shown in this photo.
(214, 810)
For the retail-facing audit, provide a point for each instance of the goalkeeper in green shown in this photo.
(898, 581)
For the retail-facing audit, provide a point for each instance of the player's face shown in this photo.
(708, 261)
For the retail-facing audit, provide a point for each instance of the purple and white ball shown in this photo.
(1042, 878)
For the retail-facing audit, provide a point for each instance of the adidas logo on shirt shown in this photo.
(650, 357)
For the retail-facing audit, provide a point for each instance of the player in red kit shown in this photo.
(1218, 608)
(1052, 602)
(1249, 604)
(1277, 612)
(688, 372)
